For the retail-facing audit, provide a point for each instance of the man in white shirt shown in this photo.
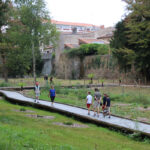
(89, 102)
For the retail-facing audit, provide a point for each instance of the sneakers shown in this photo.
(88, 113)
(36, 101)
(94, 115)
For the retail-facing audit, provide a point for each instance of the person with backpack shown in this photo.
(37, 91)
(52, 94)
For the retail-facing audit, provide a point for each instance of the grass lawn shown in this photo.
(129, 102)
(29, 81)
(19, 132)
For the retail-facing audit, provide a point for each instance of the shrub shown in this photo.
(141, 100)
(68, 123)
(5, 84)
(136, 136)
(22, 109)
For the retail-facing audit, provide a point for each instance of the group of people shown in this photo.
(89, 100)
(52, 93)
(97, 103)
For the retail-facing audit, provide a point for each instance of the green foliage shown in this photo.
(88, 49)
(53, 55)
(5, 84)
(91, 75)
(4, 8)
(125, 57)
(134, 33)
(119, 39)
(68, 123)
(31, 28)
(136, 136)
(5, 45)
(22, 109)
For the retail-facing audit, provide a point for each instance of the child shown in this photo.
(89, 102)
(52, 94)
(104, 102)
(37, 92)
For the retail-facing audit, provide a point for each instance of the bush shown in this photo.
(5, 84)
(136, 136)
(22, 109)
(142, 100)
(68, 123)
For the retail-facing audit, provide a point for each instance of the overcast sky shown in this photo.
(98, 12)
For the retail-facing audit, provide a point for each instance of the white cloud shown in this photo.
(99, 12)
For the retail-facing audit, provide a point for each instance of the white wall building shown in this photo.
(80, 27)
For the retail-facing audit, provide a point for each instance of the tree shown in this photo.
(4, 47)
(91, 76)
(133, 33)
(138, 24)
(34, 15)
(119, 39)
(125, 58)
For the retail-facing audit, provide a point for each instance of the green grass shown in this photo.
(29, 81)
(18, 132)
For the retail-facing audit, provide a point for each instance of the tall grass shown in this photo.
(5, 84)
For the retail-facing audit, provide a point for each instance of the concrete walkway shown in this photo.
(113, 121)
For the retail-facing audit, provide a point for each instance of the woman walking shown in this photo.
(52, 94)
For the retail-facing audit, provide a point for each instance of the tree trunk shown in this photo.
(5, 74)
(34, 65)
(81, 68)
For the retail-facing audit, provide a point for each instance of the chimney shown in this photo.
(74, 30)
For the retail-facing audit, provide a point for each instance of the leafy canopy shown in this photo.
(88, 49)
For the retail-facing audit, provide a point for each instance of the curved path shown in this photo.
(114, 121)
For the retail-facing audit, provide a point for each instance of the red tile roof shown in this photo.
(74, 23)
(110, 35)
(88, 41)
(69, 45)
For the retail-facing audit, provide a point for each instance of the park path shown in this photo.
(113, 121)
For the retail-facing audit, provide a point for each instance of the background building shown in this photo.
(78, 27)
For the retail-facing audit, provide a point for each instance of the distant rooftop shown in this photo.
(88, 41)
(75, 24)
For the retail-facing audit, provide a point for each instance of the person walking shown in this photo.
(97, 100)
(52, 94)
(104, 102)
(51, 81)
(89, 102)
(108, 104)
(37, 91)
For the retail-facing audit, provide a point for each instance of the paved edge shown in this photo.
(77, 116)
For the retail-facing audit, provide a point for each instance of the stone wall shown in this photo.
(70, 38)
(102, 67)
(69, 67)
(47, 67)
